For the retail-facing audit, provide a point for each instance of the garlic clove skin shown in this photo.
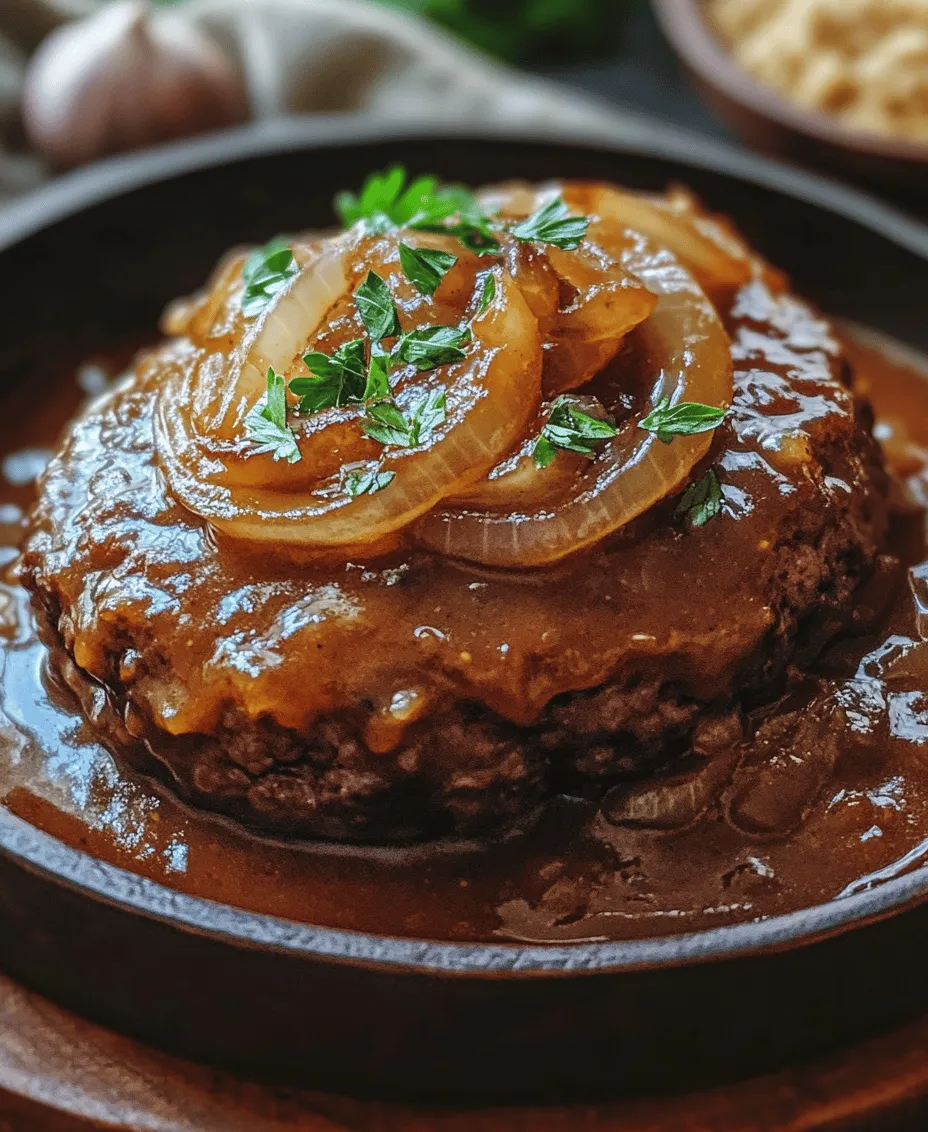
(127, 77)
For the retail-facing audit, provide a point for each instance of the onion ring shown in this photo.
(492, 395)
(688, 353)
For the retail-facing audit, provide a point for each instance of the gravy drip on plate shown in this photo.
(830, 798)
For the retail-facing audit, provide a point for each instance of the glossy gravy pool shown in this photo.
(574, 876)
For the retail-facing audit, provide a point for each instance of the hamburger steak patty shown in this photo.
(413, 697)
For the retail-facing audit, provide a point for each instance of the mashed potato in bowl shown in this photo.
(864, 61)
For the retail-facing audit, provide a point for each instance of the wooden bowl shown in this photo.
(771, 123)
(95, 257)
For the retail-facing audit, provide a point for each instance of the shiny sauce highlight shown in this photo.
(781, 842)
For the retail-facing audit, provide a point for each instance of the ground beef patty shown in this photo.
(413, 697)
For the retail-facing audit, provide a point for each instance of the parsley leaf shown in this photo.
(339, 378)
(426, 267)
(544, 452)
(487, 295)
(702, 500)
(473, 227)
(375, 306)
(552, 224)
(683, 419)
(266, 424)
(387, 423)
(265, 274)
(378, 196)
(386, 202)
(364, 481)
(377, 387)
(426, 414)
(432, 346)
(570, 428)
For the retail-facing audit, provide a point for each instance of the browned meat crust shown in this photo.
(681, 623)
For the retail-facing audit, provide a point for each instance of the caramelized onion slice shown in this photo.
(687, 351)
(607, 302)
(492, 395)
(719, 261)
(203, 411)
(517, 484)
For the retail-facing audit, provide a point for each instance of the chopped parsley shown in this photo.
(389, 424)
(377, 387)
(340, 378)
(432, 346)
(266, 424)
(426, 267)
(683, 419)
(375, 306)
(265, 274)
(702, 500)
(365, 481)
(553, 224)
(386, 201)
(571, 429)
(487, 295)
(358, 372)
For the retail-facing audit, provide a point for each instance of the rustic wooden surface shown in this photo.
(61, 1074)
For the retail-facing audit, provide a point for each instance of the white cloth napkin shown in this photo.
(320, 56)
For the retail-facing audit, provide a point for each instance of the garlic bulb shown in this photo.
(126, 77)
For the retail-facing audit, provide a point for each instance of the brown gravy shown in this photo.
(575, 876)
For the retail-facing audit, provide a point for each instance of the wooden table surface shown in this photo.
(61, 1074)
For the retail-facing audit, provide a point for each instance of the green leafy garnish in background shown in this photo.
(529, 30)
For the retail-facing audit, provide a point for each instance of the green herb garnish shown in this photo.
(570, 428)
(363, 481)
(553, 224)
(375, 306)
(265, 273)
(683, 419)
(377, 387)
(266, 424)
(386, 201)
(339, 378)
(702, 500)
(432, 346)
(390, 425)
(487, 295)
(426, 267)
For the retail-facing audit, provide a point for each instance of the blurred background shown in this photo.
(839, 85)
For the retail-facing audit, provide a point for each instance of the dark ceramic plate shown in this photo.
(96, 256)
